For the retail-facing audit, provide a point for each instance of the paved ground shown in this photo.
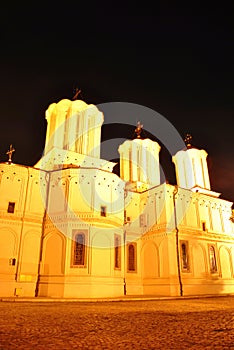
(204, 323)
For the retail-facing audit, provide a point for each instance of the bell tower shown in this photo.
(74, 126)
(73, 136)
(139, 160)
(191, 167)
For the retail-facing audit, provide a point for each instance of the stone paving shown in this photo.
(202, 323)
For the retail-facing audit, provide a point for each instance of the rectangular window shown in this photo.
(212, 259)
(184, 256)
(117, 252)
(203, 226)
(132, 258)
(103, 211)
(11, 207)
(12, 261)
(79, 249)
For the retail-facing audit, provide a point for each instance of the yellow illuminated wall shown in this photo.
(169, 235)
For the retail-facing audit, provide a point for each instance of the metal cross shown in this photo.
(138, 129)
(187, 140)
(10, 152)
(77, 93)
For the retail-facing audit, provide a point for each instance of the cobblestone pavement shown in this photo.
(203, 323)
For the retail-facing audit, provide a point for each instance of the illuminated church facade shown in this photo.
(71, 228)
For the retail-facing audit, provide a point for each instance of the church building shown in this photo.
(71, 228)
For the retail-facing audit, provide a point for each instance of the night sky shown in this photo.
(177, 61)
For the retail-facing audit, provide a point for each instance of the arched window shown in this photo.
(212, 256)
(117, 252)
(79, 249)
(184, 256)
(131, 257)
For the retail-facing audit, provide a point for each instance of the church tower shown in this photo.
(191, 167)
(139, 160)
(73, 136)
(74, 126)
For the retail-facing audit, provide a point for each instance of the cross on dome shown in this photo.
(138, 129)
(187, 140)
(10, 152)
(77, 92)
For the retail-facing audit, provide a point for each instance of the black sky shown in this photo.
(177, 61)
